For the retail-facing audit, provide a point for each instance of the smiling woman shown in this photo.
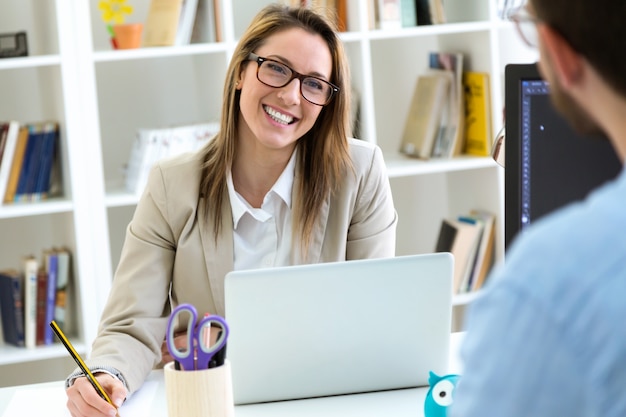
(282, 183)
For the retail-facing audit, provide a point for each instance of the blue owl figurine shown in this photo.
(440, 394)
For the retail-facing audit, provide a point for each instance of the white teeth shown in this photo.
(279, 117)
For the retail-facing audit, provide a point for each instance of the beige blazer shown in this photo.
(170, 253)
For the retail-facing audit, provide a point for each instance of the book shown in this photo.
(477, 96)
(162, 22)
(61, 304)
(4, 127)
(12, 307)
(204, 23)
(46, 161)
(423, 120)
(389, 17)
(485, 253)
(372, 14)
(464, 285)
(31, 165)
(452, 142)
(42, 282)
(50, 270)
(151, 145)
(186, 22)
(217, 13)
(422, 12)
(16, 166)
(10, 133)
(55, 182)
(437, 12)
(31, 268)
(408, 13)
(461, 239)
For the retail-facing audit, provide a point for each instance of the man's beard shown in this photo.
(577, 117)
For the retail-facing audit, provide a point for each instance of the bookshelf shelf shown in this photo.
(12, 354)
(30, 62)
(431, 30)
(402, 166)
(102, 96)
(50, 206)
(159, 52)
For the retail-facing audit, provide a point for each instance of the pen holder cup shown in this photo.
(202, 393)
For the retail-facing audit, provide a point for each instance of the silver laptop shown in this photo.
(338, 328)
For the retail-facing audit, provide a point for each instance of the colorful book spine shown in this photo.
(51, 261)
(42, 279)
(16, 165)
(63, 278)
(12, 307)
(6, 159)
(31, 267)
(46, 161)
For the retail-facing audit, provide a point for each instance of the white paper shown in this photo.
(51, 402)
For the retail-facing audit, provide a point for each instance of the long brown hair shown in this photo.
(323, 155)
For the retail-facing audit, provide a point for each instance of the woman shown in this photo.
(281, 184)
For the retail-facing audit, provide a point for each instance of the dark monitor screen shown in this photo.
(547, 164)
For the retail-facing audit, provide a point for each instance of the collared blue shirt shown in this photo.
(547, 338)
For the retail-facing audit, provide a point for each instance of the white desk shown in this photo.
(399, 403)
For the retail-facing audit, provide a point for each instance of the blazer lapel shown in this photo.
(218, 253)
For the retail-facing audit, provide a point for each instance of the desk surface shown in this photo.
(400, 403)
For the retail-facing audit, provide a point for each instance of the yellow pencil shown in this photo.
(81, 364)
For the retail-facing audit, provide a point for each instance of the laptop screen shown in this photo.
(547, 164)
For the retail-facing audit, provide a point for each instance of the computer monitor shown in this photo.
(547, 164)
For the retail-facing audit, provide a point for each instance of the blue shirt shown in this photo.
(547, 337)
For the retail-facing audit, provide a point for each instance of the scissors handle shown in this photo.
(184, 357)
(206, 350)
(199, 350)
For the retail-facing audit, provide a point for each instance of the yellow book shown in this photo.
(16, 166)
(162, 22)
(478, 135)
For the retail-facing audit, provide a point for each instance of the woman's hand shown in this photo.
(84, 401)
(180, 341)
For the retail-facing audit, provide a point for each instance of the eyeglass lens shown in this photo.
(528, 31)
(275, 74)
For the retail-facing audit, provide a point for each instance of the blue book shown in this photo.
(30, 166)
(51, 265)
(12, 307)
(46, 161)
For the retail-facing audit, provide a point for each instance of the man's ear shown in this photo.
(566, 63)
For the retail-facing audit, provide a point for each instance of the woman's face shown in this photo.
(275, 118)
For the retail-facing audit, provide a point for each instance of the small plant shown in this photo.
(114, 12)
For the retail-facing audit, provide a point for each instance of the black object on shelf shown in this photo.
(13, 45)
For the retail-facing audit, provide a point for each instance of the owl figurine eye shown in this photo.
(440, 394)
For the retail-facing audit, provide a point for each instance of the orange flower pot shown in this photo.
(127, 36)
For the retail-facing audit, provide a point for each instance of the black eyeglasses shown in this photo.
(526, 25)
(276, 74)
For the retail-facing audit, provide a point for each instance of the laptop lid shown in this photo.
(337, 328)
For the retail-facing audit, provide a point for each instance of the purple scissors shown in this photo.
(199, 351)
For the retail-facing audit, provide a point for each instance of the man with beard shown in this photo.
(547, 336)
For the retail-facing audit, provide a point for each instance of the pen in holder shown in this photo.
(201, 393)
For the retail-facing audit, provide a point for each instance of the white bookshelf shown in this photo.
(101, 96)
